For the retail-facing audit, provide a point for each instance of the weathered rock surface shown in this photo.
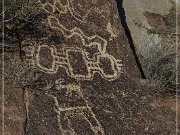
(15, 112)
(14, 102)
(87, 80)
(142, 14)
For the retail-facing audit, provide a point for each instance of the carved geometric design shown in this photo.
(75, 61)
(61, 7)
(80, 62)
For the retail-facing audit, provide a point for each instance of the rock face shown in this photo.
(86, 60)
(14, 102)
(15, 112)
(87, 80)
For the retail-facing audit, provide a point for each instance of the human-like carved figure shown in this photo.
(67, 114)
(78, 62)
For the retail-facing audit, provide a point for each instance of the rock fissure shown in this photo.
(124, 24)
(25, 98)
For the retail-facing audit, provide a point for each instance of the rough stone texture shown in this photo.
(14, 104)
(137, 12)
(14, 110)
(87, 80)
(15, 113)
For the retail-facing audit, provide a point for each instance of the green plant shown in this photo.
(152, 31)
(15, 13)
(171, 20)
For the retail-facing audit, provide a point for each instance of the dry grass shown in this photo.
(159, 64)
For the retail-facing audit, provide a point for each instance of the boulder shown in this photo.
(86, 80)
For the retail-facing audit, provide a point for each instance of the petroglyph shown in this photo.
(62, 7)
(94, 40)
(79, 62)
(80, 58)
(111, 30)
(75, 61)
(69, 117)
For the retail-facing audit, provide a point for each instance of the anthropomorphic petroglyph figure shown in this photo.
(80, 60)
(74, 110)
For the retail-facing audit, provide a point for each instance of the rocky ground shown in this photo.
(78, 76)
(137, 13)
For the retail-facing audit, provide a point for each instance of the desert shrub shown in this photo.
(15, 13)
(171, 20)
(159, 64)
(152, 31)
(158, 59)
